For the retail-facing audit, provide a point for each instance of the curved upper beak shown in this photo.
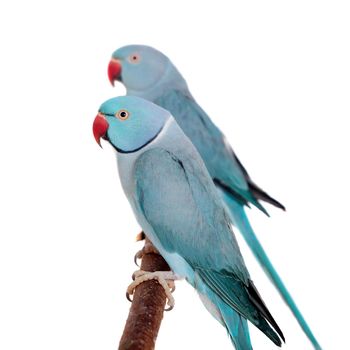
(100, 127)
(114, 70)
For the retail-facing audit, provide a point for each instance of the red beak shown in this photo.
(114, 70)
(100, 127)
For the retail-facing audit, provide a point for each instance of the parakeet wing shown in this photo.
(179, 201)
(222, 163)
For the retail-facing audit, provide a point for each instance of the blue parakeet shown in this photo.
(177, 205)
(149, 74)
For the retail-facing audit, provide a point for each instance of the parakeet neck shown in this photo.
(171, 80)
(126, 161)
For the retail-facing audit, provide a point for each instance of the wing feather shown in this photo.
(180, 202)
(222, 163)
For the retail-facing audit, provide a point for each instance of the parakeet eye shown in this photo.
(122, 114)
(134, 58)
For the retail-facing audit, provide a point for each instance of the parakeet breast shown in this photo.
(126, 163)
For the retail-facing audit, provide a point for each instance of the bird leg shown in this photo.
(148, 248)
(164, 278)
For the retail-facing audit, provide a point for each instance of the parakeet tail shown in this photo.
(235, 324)
(237, 328)
(241, 222)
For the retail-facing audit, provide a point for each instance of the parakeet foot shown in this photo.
(164, 278)
(147, 249)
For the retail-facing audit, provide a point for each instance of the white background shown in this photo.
(273, 75)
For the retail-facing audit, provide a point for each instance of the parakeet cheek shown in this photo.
(141, 76)
(132, 135)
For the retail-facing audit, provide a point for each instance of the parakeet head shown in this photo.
(141, 68)
(129, 123)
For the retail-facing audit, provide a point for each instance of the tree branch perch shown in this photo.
(146, 311)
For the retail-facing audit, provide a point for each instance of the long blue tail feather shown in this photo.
(237, 328)
(240, 220)
(235, 324)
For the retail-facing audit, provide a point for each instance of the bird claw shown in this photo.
(128, 297)
(140, 236)
(164, 278)
(137, 256)
(147, 249)
(169, 308)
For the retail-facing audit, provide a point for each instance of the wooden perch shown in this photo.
(146, 311)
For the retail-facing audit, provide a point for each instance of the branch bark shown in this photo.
(147, 308)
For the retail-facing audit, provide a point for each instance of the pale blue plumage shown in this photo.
(129, 136)
(235, 324)
(210, 143)
(152, 76)
(180, 210)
